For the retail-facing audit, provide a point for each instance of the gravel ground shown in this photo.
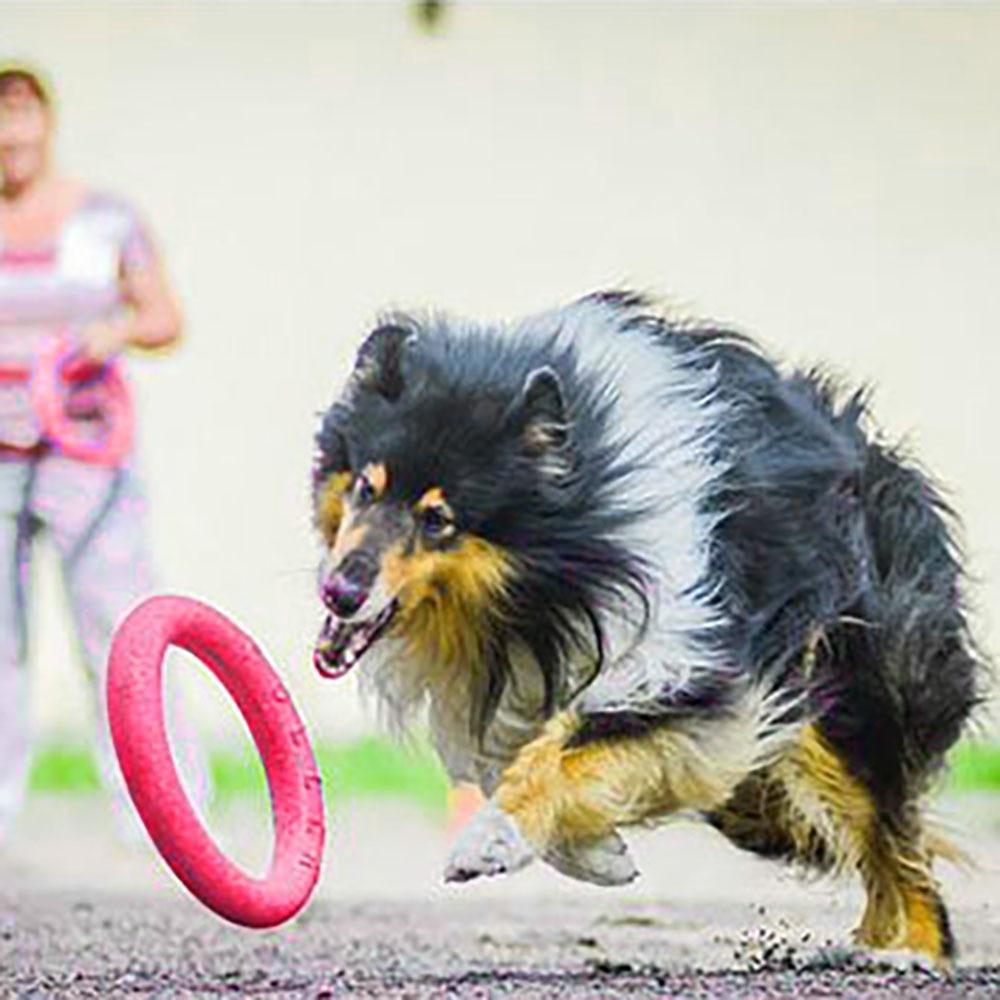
(83, 916)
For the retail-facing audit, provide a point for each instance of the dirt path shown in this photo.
(82, 917)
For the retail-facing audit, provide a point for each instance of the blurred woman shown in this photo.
(76, 262)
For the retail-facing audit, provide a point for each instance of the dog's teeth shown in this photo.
(342, 644)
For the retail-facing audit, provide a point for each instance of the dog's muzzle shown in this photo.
(346, 636)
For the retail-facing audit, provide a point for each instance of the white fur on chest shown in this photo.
(666, 417)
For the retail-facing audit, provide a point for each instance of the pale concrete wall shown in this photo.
(826, 178)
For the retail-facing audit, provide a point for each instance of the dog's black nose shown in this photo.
(348, 588)
(343, 596)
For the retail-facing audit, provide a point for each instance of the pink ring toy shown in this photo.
(52, 370)
(135, 706)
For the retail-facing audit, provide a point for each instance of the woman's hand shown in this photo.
(152, 320)
(101, 341)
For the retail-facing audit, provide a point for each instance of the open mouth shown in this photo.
(341, 644)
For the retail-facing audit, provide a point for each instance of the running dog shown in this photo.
(624, 567)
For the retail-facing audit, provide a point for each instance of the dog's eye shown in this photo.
(364, 491)
(436, 523)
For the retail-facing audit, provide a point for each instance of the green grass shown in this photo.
(975, 767)
(365, 768)
(372, 767)
(64, 768)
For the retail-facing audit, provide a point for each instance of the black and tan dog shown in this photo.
(627, 568)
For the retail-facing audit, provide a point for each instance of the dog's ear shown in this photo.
(546, 428)
(379, 365)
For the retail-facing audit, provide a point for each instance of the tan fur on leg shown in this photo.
(904, 909)
(560, 794)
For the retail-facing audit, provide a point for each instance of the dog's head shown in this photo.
(421, 476)
(452, 494)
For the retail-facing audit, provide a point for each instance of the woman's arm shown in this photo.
(152, 318)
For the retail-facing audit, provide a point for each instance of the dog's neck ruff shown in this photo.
(666, 421)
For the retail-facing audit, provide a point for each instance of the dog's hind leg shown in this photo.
(565, 795)
(809, 807)
(761, 818)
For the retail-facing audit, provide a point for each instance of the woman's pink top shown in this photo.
(60, 287)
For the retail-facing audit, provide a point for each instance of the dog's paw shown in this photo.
(603, 862)
(490, 844)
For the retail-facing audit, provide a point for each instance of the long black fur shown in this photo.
(455, 416)
(826, 531)
(824, 535)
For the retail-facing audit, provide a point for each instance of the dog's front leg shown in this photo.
(563, 799)
(490, 844)
(520, 821)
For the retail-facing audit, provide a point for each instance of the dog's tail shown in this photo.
(932, 672)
